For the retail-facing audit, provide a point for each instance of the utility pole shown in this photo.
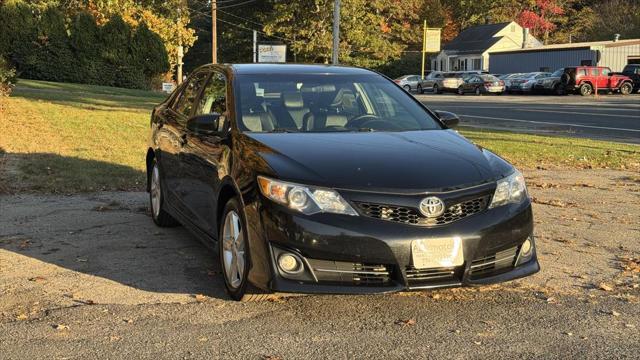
(336, 32)
(424, 46)
(214, 32)
(255, 46)
(180, 63)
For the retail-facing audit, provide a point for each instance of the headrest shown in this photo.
(249, 97)
(292, 100)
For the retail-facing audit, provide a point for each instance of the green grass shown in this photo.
(67, 138)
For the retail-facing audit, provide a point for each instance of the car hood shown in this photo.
(403, 162)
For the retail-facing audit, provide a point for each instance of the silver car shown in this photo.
(433, 82)
(550, 84)
(525, 83)
(410, 83)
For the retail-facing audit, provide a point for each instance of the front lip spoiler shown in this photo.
(281, 285)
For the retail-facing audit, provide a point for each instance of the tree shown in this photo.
(540, 18)
(148, 51)
(612, 17)
(373, 32)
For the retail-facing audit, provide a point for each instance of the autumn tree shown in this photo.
(540, 17)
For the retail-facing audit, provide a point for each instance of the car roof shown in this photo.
(263, 68)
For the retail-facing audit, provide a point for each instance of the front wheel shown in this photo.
(156, 199)
(586, 89)
(407, 88)
(626, 89)
(234, 255)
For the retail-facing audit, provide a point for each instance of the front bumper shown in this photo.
(362, 255)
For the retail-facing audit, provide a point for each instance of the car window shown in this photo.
(605, 72)
(582, 72)
(327, 103)
(184, 104)
(595, 72)
(214, 96)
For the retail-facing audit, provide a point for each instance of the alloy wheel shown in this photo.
(233, 247)
(155, 190)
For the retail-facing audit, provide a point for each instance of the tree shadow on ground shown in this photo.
(108, 235)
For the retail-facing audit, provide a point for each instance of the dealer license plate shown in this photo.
(437, 253)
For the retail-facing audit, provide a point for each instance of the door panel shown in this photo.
(175, 136)
(204, 158)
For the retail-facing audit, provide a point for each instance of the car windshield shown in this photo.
(488, 78)
(327, 103)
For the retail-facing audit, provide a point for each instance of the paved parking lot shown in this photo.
(609, 117)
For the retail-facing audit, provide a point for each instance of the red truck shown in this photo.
(586, 80)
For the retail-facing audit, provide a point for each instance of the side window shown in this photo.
(582, 72)
(214, 96)
(595, 72)
(605, 72)
(184, 104)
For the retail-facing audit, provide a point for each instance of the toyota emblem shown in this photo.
(431, 207)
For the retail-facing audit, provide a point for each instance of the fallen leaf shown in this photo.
(60, 327)
(200, 298)
(605, 287)
(128, 321)
(406, 322)
(568, 333)
(38, 279)
(478, 342)
(615, 313)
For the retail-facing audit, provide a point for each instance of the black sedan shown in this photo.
(327, 179)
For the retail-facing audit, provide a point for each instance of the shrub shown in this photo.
(8, 77)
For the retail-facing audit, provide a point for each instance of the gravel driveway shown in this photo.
(90, 276)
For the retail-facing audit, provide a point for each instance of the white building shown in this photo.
(470, 49)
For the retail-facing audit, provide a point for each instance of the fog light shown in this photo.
(526, 248)
(289, 263)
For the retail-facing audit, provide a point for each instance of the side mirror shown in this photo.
(205, 124)
(449, 119)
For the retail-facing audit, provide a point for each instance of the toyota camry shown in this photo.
(330, 179)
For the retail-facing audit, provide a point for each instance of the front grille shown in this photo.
(341, 272)
(417, 277)
(409, 215)
(499, 262)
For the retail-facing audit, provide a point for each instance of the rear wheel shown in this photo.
(558, 90)
(586, 89)
(234, 255)
(407, 88)
(626, 89)
(156, 199)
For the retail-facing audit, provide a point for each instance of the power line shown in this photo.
(241, 27)
(240, 17)
(234, 5)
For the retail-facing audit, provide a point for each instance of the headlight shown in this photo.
(305, 199)
(510, 190)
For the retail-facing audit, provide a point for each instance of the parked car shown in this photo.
(586, 80)
(325, 179)
(633, 72)
(525, 82)
(481, 84)
(410, 83)
(507, 79)
(550, 84)
(452, 81)
(433, 82)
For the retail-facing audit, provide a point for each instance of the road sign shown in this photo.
(432, 40)
(272, 53)
(167, 87)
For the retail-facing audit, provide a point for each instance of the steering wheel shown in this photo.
(371, 121)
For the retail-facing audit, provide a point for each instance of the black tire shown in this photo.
(407, 88)
(586, 89)
(158, 213)
(436, 89)
(558, 90)
(420, 91)
(244, 292)
(626, 88)
(460, 90)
